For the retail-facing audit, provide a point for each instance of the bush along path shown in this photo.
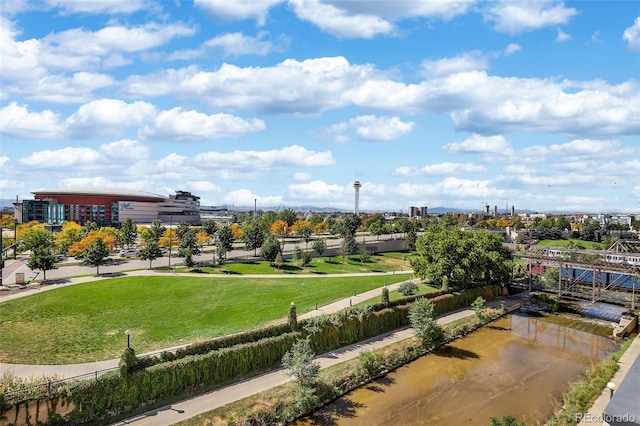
(299, 398)
(142, 388)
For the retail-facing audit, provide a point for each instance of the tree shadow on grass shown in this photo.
(453, 352)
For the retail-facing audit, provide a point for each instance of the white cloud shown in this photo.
(203, 186)
(88, 182)
(189, 126)
(293, 155)
(61, 158)
(511, 49)
(440, 169)
(632, 36)
(526, 15)
(562, 36)
(234, 45)
(244, 197)
(317, 190)
(99, 6)
(354, 19)
(301, 176)
(125, 149)
(108, 116)
(477, 144)
(321, 83)
(17, 121)
(469, 61)
(372, 128)
(236, 10)
(81, 49)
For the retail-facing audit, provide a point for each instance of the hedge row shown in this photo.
(113, 396)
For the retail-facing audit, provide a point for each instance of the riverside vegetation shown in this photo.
(144, 385)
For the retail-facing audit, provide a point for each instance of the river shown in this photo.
(518, 365)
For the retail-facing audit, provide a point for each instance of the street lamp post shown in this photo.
(612, 387)
(170, 242)
(128, 333)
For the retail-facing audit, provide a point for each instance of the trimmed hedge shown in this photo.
(216, 362)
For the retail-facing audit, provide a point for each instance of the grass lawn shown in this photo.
(564, 243)
(383, 262)
(83, 323)
(394, 295)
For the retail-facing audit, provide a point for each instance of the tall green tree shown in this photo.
(210, 227)
(43, 259)
(37, 238)
(270, 248)
(253, 236)
(225, 240)
(153, 232)
(300, 363)
(150, 251)
(319, 246)
(97, 253)
(189, 246)
(423, 320)
(288, 215)
(128, 232)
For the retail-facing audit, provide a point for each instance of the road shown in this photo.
(74, 268)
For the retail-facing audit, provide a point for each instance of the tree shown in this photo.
(225, 240)
(97, 253)
(253, 236)
(479, 309)
(385, 295)
(270, 249)
(70, 233)
(37, 238)
(319, 246)
(410, 240)
(425, 326)
(288, 216)
(281, 229)
(300, 363)
(128, 232)
(210, 227)
(304, 229)
(188, 245)
(365, 255)
(150, 251)
(43, 259)
(80, 247)
(279, 261)
(236, 231)
(88, 227)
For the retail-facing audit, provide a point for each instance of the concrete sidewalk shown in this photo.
(595, 414)
(183, 410)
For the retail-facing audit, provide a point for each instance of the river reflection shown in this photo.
(518, 365)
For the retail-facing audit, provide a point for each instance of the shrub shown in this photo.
(300, 363)
(385, 296)
(427, 329)
(407, 288)
(368, 363)
(293, 317)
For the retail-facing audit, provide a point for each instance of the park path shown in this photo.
(186, 409)
(73, 370)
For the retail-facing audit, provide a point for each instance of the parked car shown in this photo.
(129, 252)
(60, 257)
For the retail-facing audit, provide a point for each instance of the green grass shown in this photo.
(82, 323)
(385, 262)
(394, 295)
(564, 243)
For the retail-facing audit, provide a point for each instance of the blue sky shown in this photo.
(426, 103)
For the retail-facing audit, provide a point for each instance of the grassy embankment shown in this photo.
(86, 322)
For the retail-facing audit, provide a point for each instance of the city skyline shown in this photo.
(453, 104)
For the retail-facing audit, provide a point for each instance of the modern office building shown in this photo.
(107, 207)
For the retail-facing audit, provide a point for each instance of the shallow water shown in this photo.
(518, 365)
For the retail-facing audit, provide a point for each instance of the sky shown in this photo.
(286, 103)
